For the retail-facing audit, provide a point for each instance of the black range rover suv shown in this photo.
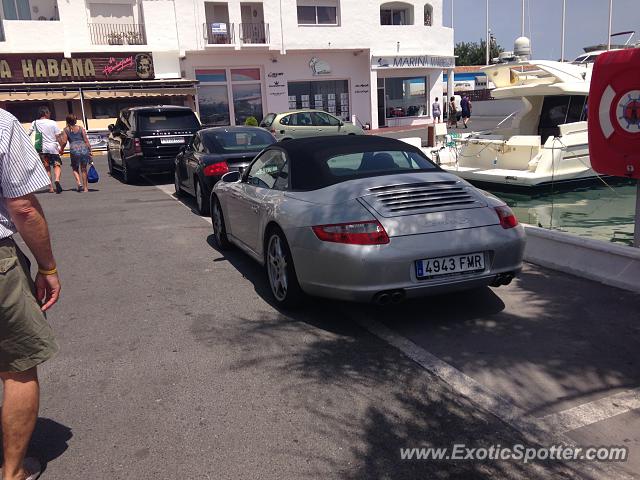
(147, 139)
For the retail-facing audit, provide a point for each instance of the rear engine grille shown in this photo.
(408, 199)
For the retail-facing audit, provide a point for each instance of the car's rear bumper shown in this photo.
(359, 273)
(151, 164)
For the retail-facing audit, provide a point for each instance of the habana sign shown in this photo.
(17, 68)
(413, 61)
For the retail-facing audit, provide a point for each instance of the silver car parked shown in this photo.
(364, 218)
(307, 123)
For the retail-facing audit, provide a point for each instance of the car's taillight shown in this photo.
(137, 148)
(357, 233)
(216, 169)
(507, 217)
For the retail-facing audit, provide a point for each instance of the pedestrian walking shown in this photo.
(26, 340)
(48, 136)
(436, 112)
(453, 113)
(465, 106)
(79, 149)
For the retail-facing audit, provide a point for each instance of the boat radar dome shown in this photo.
(522, 48)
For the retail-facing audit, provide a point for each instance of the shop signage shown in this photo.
(413, 61)
(319, 67)
(54, 67)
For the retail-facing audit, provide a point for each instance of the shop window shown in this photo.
(428, 15)
(406, 97)
(229, 94)
(331, 96)
(311, 12)
(245, 74)
(215, 75)
(213, 101)
(396, 13)
(247, 102)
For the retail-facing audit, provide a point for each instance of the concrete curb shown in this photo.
(608, 263)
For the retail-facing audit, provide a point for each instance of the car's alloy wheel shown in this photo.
(219, 228)
(281, 272)
(201, 202)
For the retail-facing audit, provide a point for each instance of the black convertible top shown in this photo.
(329, 146)
(308, 156)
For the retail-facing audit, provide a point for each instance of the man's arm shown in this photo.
(28, 217)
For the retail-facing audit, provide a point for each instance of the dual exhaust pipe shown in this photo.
(389, 297)
(503, 279)
(393, 297)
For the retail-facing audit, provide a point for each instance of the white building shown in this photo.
(380, 63)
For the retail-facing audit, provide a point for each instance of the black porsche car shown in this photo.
(211, 153)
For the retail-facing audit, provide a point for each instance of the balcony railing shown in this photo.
(254, 33)
(219, 33)
(117, 34)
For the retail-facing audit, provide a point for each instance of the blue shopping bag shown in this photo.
(92, 174)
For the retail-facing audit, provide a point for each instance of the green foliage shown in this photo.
(251, 122)
(474, 53)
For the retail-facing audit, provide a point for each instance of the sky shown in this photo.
(587, 22)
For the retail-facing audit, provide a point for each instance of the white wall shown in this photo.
(160, 25)
(359, 27)
(23, 36)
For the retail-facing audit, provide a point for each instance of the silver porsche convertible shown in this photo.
(364, 218)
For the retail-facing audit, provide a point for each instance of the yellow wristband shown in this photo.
(53, 271)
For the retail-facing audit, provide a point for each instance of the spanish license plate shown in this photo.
(434, 267)
(171, 140)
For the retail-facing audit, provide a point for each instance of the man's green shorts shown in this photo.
(26, 340)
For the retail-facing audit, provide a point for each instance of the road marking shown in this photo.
(593, 412)
(534, 431)
(169, 189)
(459, 381)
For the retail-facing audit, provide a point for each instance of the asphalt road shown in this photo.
(174, 363)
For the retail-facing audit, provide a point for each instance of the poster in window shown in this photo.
(331, 102)
(305, 101)
(332, 109)
(318, 103)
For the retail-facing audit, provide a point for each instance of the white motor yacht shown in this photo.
(544, 143)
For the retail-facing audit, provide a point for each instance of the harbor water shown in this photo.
(603, 212)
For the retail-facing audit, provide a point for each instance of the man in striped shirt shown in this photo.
(26, 339)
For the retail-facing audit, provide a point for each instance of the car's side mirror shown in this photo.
(231, 177)
(341, 124)
(111, 127)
